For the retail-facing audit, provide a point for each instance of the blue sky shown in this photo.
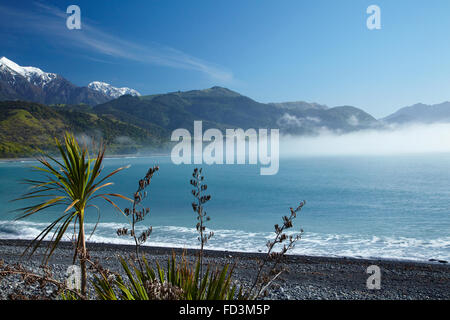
(272, 51)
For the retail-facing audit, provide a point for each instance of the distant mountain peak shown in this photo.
(11, 65)
(216, 90)
(299, 105)
(32, 74)
(33, 84)
(112, 91)
(421, 113)
(220, 89)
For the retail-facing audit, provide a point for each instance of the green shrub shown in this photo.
(180, 280)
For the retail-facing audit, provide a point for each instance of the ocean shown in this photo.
(394, 207)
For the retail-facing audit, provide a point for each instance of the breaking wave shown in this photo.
(313, 244)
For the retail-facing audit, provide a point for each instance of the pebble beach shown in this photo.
(306, 277)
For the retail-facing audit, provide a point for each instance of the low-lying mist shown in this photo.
(392, 140)
(406, 139)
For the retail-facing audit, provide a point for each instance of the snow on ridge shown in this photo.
(32, 74)
(40, 78)
(111, 91)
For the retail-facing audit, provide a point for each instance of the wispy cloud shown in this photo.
(49, 22)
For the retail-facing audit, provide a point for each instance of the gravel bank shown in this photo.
(306, 277)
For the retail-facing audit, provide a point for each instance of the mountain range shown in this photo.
(421, 113)
(33, 84)
(37, 106)
(222, 108)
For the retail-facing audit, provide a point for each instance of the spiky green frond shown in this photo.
(71, 183)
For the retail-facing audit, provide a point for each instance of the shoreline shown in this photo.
(191, 250)
(306, 277)
(111, 156)
(161, 154)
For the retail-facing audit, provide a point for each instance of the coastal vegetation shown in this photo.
(72, 182)
(75, 180)
(26, 128)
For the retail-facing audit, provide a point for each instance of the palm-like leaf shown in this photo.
(72, 183)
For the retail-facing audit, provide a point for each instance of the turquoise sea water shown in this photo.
(377, 206)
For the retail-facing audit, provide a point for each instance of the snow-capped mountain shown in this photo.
(33, 75)
(111, 91)
(35, 85)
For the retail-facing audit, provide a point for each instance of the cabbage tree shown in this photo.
(72, 183)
